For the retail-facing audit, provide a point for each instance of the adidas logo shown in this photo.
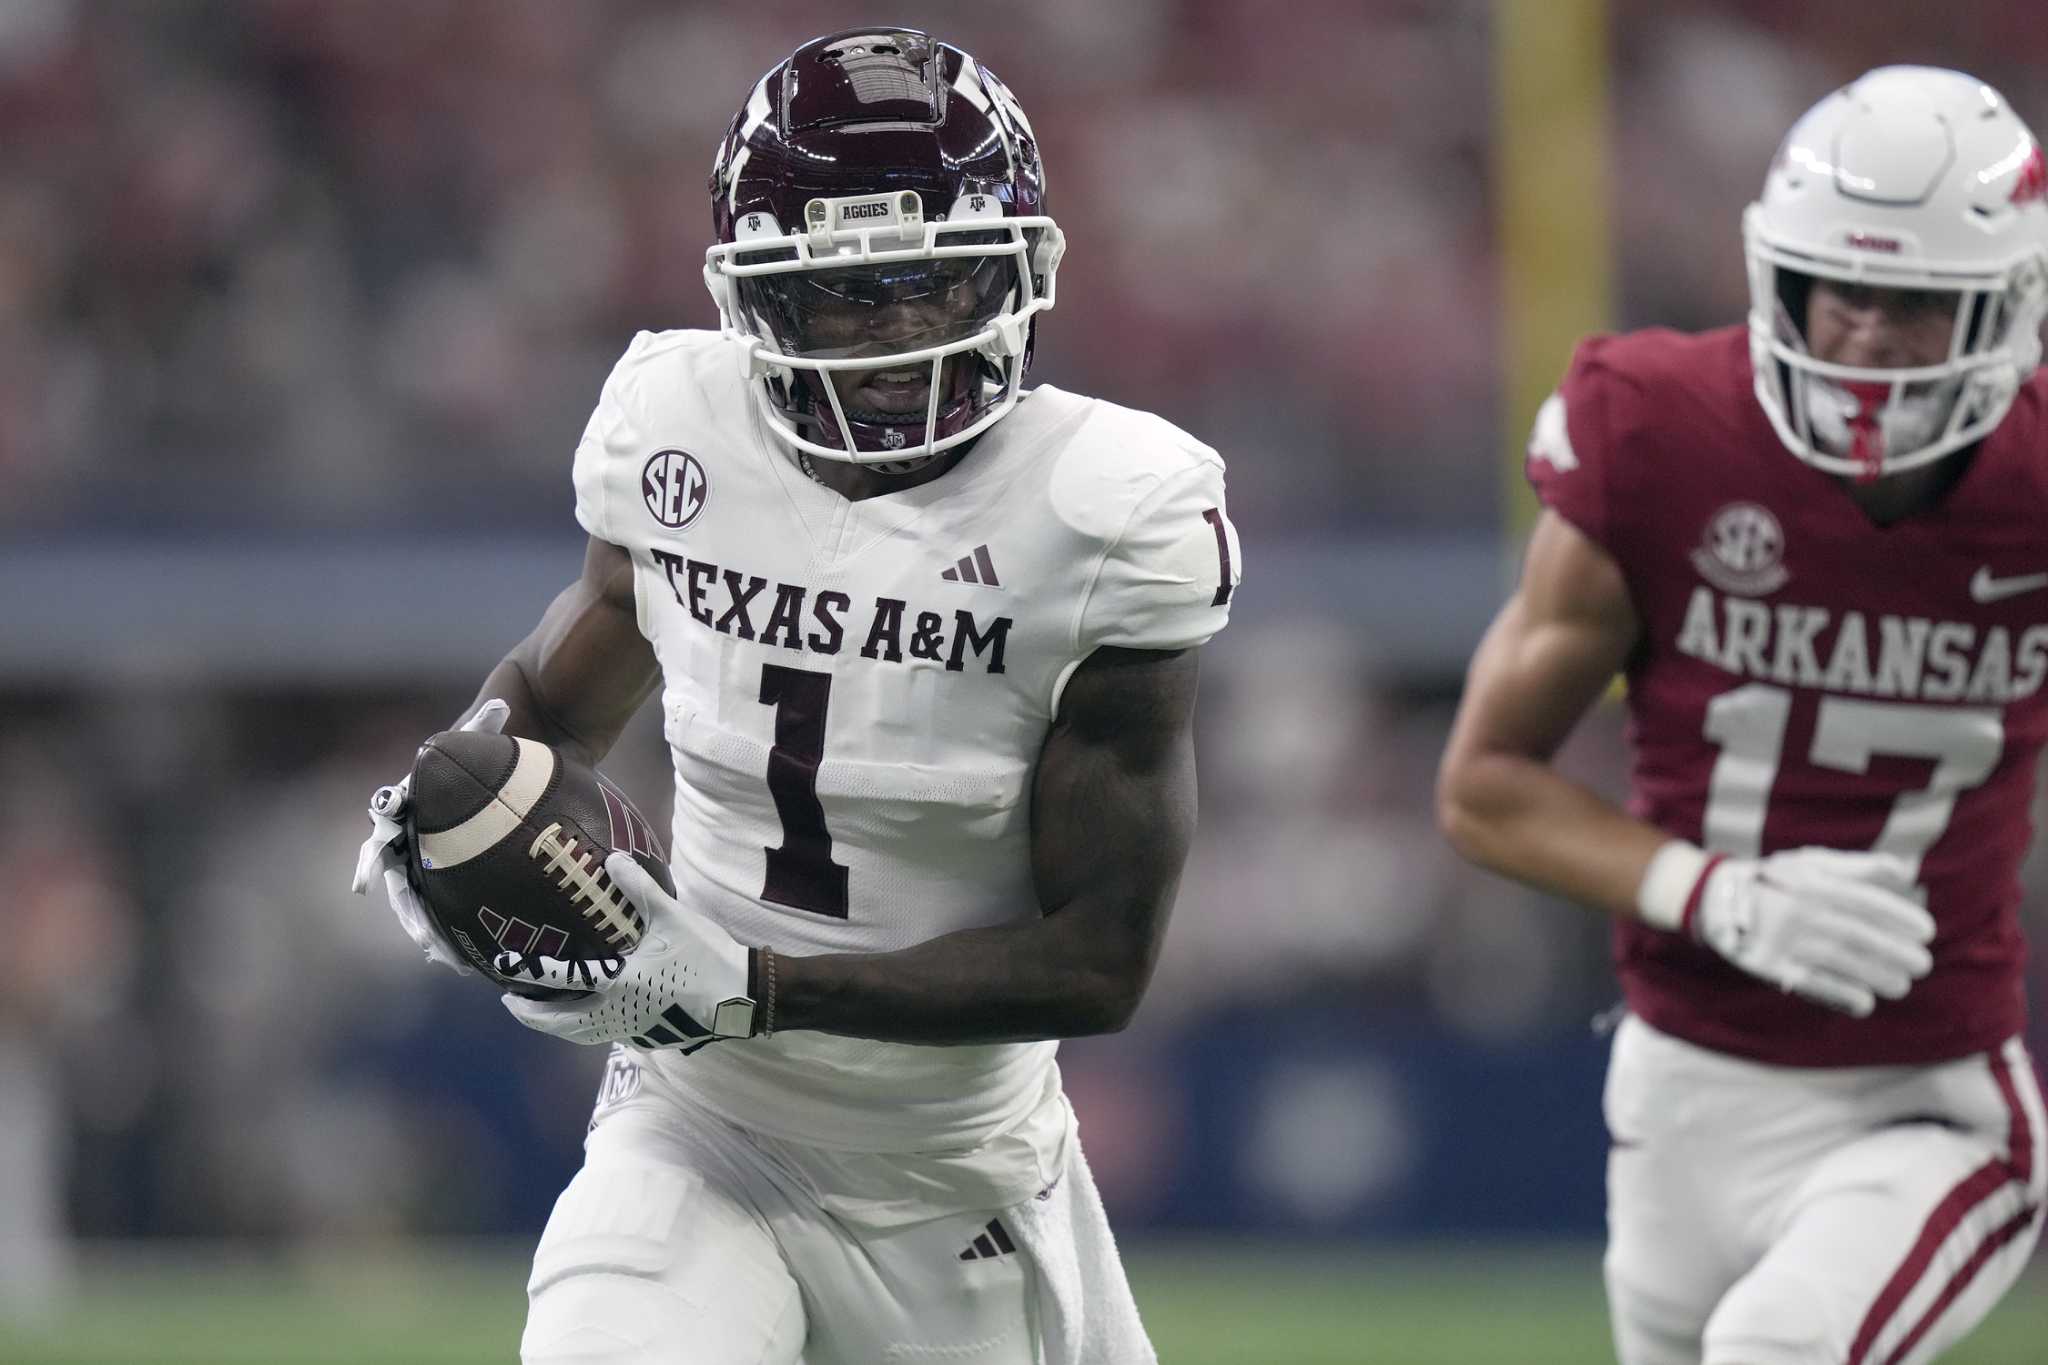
(517, 936)
(992, 1242)
(680, 1029)
(974, 568)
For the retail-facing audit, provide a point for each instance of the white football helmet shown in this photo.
(1912, 177)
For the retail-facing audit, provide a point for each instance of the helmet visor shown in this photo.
(881, 309)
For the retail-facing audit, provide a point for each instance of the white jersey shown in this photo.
(855, 693)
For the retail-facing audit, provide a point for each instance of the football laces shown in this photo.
(581, 873)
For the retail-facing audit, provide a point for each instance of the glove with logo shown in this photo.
(687, 984)
(383, 854)
(1841, 929)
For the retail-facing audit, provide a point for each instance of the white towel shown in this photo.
(1087, 1314)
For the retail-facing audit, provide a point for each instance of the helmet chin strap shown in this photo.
(809, 467)
(909, 466)
(961, 376)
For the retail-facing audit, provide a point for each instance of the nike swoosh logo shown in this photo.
(1985, 588)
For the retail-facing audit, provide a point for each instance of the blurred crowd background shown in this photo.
(303, 304)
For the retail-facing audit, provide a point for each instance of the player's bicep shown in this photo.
(1551, 651)
(587, 664)
(1113, 808)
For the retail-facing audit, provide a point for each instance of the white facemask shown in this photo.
(1912, 420)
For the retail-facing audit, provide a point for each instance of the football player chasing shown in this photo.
(926, 645)
(1817, 548)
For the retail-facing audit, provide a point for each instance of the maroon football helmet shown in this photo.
(883, 249)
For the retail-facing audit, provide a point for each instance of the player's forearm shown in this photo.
(1113, 813)
(1517, 816)
(1008, 983)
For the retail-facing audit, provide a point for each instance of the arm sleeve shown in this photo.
(1569, 460)
(1166, 582)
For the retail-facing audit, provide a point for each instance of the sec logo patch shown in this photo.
(673, 485)
(1742, 550)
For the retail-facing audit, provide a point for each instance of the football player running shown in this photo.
(1817, 548)
(927, 650)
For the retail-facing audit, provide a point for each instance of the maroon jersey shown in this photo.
(1808, 677)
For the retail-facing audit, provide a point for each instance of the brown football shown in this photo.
(509, 838)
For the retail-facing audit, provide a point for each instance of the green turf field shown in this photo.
(1205, 1306)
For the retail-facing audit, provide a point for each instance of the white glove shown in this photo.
(384, 852)
(1841, 929)
(685, 985)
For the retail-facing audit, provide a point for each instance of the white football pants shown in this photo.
(1765, 1215)
(686, 1240)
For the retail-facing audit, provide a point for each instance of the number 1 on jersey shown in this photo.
(801, 873)
(1214, 516)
